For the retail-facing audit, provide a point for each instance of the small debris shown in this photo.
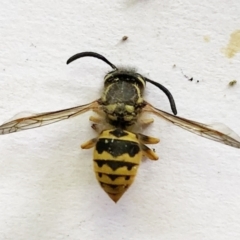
(232, 83)
(189, 78)
(206, 38)
(124, 38)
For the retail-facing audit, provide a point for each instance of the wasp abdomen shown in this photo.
(117, 147)
(117, 156)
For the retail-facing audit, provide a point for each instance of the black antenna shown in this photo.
(166, 91)
(99, 56)
(90, 54)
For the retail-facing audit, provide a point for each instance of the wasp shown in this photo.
(119, 147)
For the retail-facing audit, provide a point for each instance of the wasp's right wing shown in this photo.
(216, 132)
(42, 119)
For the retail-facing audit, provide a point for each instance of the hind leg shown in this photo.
(147, 139)
(148, 152)
(89, 144)
(144, 139)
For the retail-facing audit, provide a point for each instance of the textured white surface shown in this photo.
(47, 186)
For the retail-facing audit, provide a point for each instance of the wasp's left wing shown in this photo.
(42, 119)
(217, 132)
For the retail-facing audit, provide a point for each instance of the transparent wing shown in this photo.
(42, 119)
(217, 132)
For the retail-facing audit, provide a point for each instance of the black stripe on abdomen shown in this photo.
(117, 147)
(114, 165)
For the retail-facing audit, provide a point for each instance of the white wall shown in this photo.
(47, 186)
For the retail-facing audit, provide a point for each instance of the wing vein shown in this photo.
(217, 132)
(42, 119)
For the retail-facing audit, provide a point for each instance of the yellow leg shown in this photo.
(148, 152)
(144, 139)
(89, 144)
(147, 139)
(95, 119)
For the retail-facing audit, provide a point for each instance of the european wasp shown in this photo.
(118, 148)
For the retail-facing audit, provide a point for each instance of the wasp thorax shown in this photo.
(122, 96)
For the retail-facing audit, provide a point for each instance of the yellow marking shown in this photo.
(105, 91)
(206, 38)
(120, 180)
(119, 189)
(111, 108)
(141, 80)
(233, 46)
(116, 197)
(129, 137)
(140, 100)
(120, 171)
(109, 75)
(128, 118)
(139, 93)
(103, 98)
(114, 118)
(95, 119)
(129, 108)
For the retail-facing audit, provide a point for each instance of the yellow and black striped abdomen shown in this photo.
(116, 157)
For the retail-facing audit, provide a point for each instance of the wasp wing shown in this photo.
(42, 119)
(217, 132)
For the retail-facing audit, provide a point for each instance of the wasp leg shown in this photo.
(98, 111)
(89, 144)
(96, 128)
(147, 139)
(95, 119)
(143, 139)
(148, 152)
(145, 122)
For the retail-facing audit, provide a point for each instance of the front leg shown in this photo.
(95, 119)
